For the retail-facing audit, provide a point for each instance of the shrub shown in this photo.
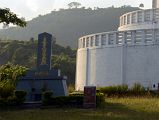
(47, 96)
(20, 96)
(73, 100)
(114, 90)
(100, 99)
(6, 89)
(64, 101)
(137, 89)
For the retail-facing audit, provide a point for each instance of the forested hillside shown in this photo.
(67, 25)
(25, 53)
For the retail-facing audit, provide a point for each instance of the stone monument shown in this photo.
(43, 78)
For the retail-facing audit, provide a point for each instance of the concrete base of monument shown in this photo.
(35, 88)
(35, 82)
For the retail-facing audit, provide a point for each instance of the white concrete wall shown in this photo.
(142, 65)
(106, 66)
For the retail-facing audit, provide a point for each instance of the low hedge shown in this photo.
(123, 90)
(20, 96)
(17, 98)
(73, 100)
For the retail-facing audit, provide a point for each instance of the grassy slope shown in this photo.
(116, 109)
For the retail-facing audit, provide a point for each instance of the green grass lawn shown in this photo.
(115, 109)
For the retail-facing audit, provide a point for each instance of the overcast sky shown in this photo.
(32, 8)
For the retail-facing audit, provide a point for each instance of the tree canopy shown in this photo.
(7, 17)
(74, 4)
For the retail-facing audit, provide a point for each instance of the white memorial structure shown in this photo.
(127, 56)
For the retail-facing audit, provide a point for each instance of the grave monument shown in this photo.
(43, 78)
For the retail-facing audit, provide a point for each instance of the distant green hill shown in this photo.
(69, 24)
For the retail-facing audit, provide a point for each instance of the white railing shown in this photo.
(132, 37)
(140, 16)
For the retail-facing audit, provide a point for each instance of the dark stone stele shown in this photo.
(43, 78)
(47, 46)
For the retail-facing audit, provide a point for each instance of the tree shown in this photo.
(7, 17)
(67, 65)
(74, 5)
(9, 75)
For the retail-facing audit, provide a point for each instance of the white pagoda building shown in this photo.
(126, 56)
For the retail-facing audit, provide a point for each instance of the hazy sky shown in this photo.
(32, 8)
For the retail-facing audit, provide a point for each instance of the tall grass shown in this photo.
(123, 90)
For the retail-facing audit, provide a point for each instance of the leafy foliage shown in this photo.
(74, 4)
(7, 17)
(9, 74)
(66, 64)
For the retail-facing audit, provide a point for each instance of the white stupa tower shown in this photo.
(155, 4)
(126, 56)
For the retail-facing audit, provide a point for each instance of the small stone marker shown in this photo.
(89, 97)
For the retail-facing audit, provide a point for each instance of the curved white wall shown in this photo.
(115, 58)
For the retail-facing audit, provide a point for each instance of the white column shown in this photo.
(100, 40)
(143, 16)
(107, 39)
(126, 20)
(130, 18)
(133, 37)
(115, 38)
(143, 37)
(136, 17)
(122, 20)
(124, 38)
(153, 36)
(151, 15)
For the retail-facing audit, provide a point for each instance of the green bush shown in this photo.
(123, 90)
(100, 99)
(20, 96)
(17, 98)
(6, 89)
(73, 100)
(69, 101)
(114, 90)
(47, 96)
(137, 89)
